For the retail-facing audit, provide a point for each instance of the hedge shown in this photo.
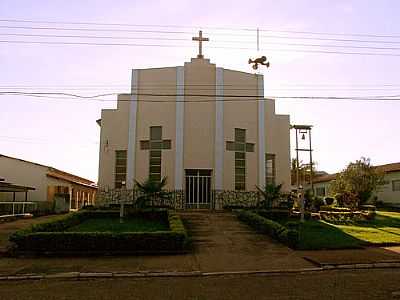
(51, 238)
(277, 231)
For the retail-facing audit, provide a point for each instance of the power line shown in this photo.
(331, 39)
(214, 47)
(195, 85)
(211, 88)
(225, 98)
(189, 40)
(189, 32)
(126, 25)
(205, 27)
(95, 29)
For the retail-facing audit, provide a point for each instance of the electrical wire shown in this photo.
(223, 98)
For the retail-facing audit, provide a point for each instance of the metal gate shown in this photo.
(198, 191)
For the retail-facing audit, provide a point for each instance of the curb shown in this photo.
(147, 274)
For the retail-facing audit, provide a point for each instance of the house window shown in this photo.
(396, 185)
(270, 170)
(320, 191)
(120, 168)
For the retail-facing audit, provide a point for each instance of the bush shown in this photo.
(297, 214)
(334, 208)
(274, 214)
(51, 238)
(329, 200)
(317, 202)
(277, 231)
(343, 217)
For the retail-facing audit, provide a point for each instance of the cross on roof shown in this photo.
(200, 39)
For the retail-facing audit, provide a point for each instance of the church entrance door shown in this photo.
(198, 188)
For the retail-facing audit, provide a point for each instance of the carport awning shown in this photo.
(9, 187)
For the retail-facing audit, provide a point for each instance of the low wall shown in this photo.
(176, 199)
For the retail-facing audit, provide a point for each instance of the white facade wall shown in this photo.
(198, 130)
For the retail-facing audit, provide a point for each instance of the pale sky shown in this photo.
(64, 134)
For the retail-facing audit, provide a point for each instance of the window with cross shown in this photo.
(155, 145)
(240, 147)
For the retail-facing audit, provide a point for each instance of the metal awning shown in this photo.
(9, 187)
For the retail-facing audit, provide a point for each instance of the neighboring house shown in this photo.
(47, 183)
(193, 133)
(388, 193)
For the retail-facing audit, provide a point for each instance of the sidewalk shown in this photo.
(220, 244)
(371, 255)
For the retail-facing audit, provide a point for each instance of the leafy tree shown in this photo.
(151, 190)
(304, 172)
(355, 184)
(270, 193)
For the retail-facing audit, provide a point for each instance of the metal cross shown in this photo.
(200, 39)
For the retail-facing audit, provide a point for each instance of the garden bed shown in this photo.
(100, 233)
(287, 235)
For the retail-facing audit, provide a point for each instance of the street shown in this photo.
(346, 284)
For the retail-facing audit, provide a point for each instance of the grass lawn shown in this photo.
(385, 229)
(114, 225)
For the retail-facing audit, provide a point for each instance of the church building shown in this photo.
(203, 127)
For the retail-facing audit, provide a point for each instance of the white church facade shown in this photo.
(203, 127)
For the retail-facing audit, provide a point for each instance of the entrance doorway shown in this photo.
(198, 188)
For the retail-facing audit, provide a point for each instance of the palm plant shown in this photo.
(270, 193)
(151, 190)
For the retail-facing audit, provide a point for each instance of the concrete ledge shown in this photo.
(147, 274)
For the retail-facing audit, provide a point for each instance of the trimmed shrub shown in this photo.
(329, 200)
(334, 208)
(317, 202)
(277, 231)
(274, 214)
(51, 237)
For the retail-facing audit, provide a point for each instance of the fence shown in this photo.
(180, 199)
(16, 207)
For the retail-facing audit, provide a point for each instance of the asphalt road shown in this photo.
(346, 284)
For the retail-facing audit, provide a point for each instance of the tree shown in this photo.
(355, 184)
(270, 193)
(151, 190)
(304, 172)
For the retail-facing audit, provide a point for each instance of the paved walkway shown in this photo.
(369, 255)
(223, 243)
(6, 229)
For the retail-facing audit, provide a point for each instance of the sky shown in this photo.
(62, 132)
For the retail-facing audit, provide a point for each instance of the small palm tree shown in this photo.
(270, 193)
(151, 190)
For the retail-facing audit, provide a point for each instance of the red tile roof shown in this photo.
(325, 178)
(394, 167)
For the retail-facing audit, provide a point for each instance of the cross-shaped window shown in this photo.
(240, 147)
(156, 144)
